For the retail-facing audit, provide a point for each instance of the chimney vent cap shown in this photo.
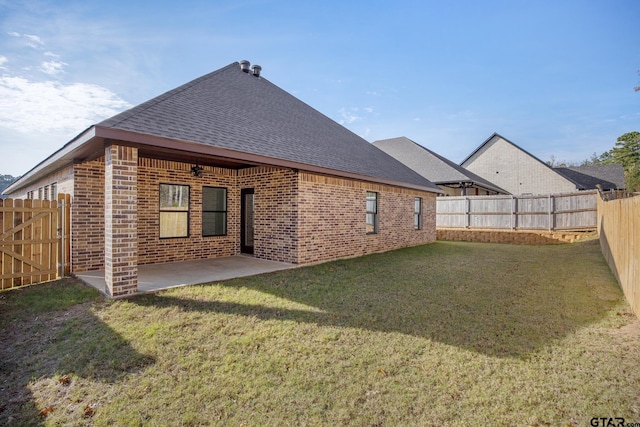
(256, 70)
(244, 65)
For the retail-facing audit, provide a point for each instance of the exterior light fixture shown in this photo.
(196, 170)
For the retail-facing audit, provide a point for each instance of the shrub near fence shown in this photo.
(574, 211)
(619, 231)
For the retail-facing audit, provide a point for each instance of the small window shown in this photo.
(40, 193)
(46, 192)
(54, 191)
(372, 212)
(214, 211)
(174, 211)
(417, 211)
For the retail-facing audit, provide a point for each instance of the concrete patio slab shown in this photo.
(156, 277)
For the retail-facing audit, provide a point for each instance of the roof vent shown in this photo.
(244, 65)
(255, 70)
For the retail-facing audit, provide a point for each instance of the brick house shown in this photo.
(227, 164)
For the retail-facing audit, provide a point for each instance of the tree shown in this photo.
(555, 163)
(594, 159)
(627, 153)
(605, 158)
(5, 180)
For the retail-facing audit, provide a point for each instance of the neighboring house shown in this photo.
(226, 164)
(505, 164)
(605, 177)
(453, 179)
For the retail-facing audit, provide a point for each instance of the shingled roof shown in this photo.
(434, 167)
(609, 177)
(239, 111)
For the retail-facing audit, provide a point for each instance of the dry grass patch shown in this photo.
(451, 333)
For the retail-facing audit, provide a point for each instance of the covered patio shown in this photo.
(157, 277)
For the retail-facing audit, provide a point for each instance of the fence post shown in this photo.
(549, 211)
(468, 209)
(553, 212)
(64, 205)
(514, 212)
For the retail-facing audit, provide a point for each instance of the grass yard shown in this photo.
(450, 333)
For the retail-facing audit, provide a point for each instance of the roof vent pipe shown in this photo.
(256, 70)
(244, 65)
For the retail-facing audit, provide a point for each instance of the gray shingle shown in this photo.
(235, 110)
(609, 177)
(430, 165)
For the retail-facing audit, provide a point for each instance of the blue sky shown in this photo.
(555, 77)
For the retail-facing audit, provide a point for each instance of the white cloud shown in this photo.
(348, 116)
(353, 114)
(28, 106)
(51, 54)
(3, 60)
(52, 67)
(35, 41)
(32, 40)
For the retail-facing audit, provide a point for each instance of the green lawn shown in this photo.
(450, 333)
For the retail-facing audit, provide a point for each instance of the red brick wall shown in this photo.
(153, 249)
(121, 220)
(87, 216)
(299, 218)
(332, 218)
(276, 211)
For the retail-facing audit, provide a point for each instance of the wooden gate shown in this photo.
(34, 240)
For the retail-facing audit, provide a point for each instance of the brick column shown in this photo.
(121, 220)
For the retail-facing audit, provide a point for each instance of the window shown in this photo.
(174, 210)
(54, 191)
(417, 210)
(214, 211)
(372, 212)
(46, 192)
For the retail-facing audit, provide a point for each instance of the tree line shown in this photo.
(5, 180)
(625, 152)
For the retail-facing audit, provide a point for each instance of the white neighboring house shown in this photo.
(508, 166)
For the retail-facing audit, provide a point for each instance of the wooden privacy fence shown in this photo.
(574, 211)
(34, 240)
(619, 231)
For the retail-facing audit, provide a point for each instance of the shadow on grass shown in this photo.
(498, 300)
(61, 342)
